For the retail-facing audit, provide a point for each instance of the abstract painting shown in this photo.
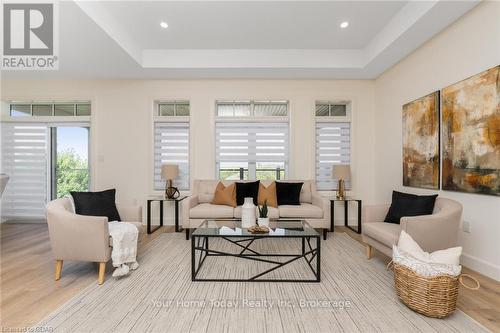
(421, 142)
(471, 134)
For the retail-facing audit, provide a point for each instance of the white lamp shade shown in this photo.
(169, 171)
(342, 171)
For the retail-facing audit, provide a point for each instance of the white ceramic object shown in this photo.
(263, 221)
(248, 213)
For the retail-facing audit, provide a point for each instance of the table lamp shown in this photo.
(341, 173)
(169, 172)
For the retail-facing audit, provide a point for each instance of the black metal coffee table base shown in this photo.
(200, 250)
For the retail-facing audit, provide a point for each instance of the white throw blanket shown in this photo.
(124, 236)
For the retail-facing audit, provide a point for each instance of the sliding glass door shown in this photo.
(44, 161)
(69, 160)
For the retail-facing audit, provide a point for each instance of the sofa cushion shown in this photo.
(205, 190)
(209, 211)
(385, 233)
(247, 190)
(288, 193)
(225, 195)
(406, 204)
(273, 213)
(308, 187)
(267, 194)
(96, 204)
(304, 210)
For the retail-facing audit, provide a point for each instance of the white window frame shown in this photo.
(157, 118)
(333, 119)
(252, 166)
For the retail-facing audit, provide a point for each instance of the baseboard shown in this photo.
(340, 222)
(481, 266)
(29, 221)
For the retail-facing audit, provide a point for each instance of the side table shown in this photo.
(161, 200)
(346, 213)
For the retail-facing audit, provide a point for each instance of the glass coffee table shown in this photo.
(220, 239)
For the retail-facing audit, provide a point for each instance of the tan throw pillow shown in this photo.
(225, 195)
(269, 194)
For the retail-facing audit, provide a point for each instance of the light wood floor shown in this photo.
(29, 292)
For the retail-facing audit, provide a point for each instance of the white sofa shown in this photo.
(198, 207)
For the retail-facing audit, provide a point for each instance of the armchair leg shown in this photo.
(369, 252)
(102, 271)
(59, 265)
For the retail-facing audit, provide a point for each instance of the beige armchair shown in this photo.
(432, 232)
(83, 238)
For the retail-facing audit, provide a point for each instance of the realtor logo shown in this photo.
(29, 36)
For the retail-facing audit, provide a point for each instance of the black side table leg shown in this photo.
(161, 213)
(346, 213)
(359, 216)
(332, 214)
(176, 216)
(148, 218)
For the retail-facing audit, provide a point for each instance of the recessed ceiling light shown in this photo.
(344, 25)
(164, 25)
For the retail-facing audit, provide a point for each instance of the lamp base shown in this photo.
(341, 190)
(170, 191)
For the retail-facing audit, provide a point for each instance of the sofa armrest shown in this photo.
(433, 232)
(186, 206)
(374, 213)
(78, 237)
(323, 203)
(130, 213)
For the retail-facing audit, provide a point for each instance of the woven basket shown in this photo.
(433, 297)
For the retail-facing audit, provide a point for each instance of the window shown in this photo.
(64, 109)
(329, 109)
(44, 162)
(179, 108)
(171, 142)
(333, 141)
(249, 146)
(25, 156)
(252, 109)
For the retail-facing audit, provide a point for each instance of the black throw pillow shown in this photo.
(247, 190)
(406, 204)
(96, 204)
(288, 193)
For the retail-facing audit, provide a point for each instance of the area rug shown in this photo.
(354, 295)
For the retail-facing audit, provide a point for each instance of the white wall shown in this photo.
(467, 47)
(122, 138)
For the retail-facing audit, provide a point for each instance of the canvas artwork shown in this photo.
(421, 142)
(471, 134)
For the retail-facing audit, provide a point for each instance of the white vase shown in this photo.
(263, 221)
(248, 213)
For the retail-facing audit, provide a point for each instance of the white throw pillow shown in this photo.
(449, 256)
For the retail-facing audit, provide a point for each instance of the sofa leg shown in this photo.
(59, 265)
(102, 271)
(187, 233)
(369, 251)
(325, 232)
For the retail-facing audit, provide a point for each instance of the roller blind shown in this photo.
(251, 141)
(25, 160)
(172, 147)
(332, 147)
